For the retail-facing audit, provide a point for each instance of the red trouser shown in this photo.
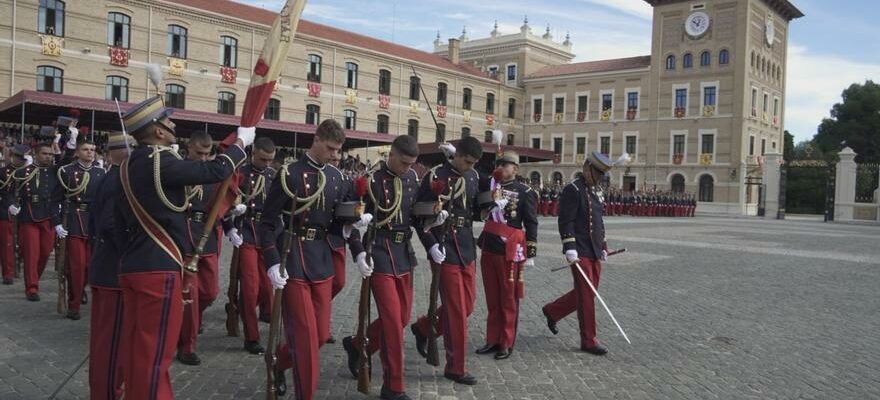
(580, 299)
(306, 313)
(154, 307)
(199, 291)
(36, 240)
(500, 282)
(457, 292)
(252, 282)
(105, 374)
(7, 249)
(79, 252)
(338, 271)
(393, 296)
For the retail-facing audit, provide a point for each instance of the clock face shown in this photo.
(769, 31)
(697, 24)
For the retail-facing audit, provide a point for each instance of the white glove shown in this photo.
(234, 237)
(364, 222)
(448, 149)
(71, 143)
(365, 266)
(437, 255)
(57, 138)
(247, 135)
(438, 220)
(571, 256)
(529, 263)
(239, 210)
(604, 256)
(274, 274)
(175, 148)
(28, 160)
(14, 210)
(501, 203)
(60, 232)
(101, 164)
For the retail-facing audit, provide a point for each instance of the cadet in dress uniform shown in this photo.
(509, 244)
(452, 246)
(393, 189)
(545, 201)
(312, 188)
(337, 244)
(78, 182)
(583, 241)
(7, 198)
(151, 210)
(200, 289)
(105, 375)
(35, 213)
(254, 285)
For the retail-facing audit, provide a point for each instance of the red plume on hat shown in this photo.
(74, 113)
(498, 174)
(438, 187)
(361, 185)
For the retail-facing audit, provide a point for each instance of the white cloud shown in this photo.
(636, 8)
(815, 82)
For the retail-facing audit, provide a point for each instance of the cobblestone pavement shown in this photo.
(716, 308)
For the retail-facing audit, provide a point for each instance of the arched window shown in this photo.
(273, 110)
(535, 178)
(51, 17)
(557, 177)
(382, 123)
(466, 99)
(414, 86)
(177, 37)
(412, 128)
(313, 114)
(670, 62)
(314, 68)
(687, 61)
(707, 188)
(351, 75)
(384, 82)
(116, 88)
(677, 183)
(465, 132)
(118, 30)
(50, 79)
(705, 59)
(724, 57)
(349, 119)
(226, 103)
(490, 103)
(175, 96)
(229, 51)
(442, 88)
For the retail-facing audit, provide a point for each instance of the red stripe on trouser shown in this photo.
(393, 296)
(105, 374)
(251, 275)
(36, 240)
(306, 312)
(7, 248)
(154, 310)
(195, 298)
(338, 270)
(501, 301)
(580, 299)
(78, 254)
(457, 292)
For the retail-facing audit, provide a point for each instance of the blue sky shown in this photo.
(833, 46)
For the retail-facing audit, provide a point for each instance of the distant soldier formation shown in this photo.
(640, 203)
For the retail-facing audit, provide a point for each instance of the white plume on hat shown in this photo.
(497, 135)
(448, 149)
(155, 74)
(623, 159)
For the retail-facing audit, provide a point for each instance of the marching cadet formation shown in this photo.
(129, 229)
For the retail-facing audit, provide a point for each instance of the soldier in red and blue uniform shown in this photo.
(151, 210)
(35, 212)
(311, 188)
(452, 246)
(78, 182)
(254, 285)
(105, 335)
(393, 188)
(582, 230)
(510, 243)
(7, 198)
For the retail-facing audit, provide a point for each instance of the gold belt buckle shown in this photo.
(35, 198)
(398, 237)
(310, 233)
(459, 222)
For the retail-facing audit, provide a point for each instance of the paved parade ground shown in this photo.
(716, 308)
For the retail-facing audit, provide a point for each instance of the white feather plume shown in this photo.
(155, 74)
(623, 159)
(448, 149)
(497, 135)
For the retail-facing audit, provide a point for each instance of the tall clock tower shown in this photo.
(718, 73)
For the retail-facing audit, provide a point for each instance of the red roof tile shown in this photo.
(267, 17)
(616, 64)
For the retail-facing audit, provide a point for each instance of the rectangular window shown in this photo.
(313, 114)
(493, 71)
(314, 68)
(226, 103)
(465, 132)
(631, 145)
(559, 105)
(466, 99)
(51, 17)
(536, 143)
(709, 96)
(229, 52)
(177, 38)
(511, 108)
(678, 144)
(351, 75)
(350, 119)
(766, 103)
(605, 145)
(414, 83)
(681, 98)
(273, 110)
(775, 107)
(763, 146)
(751, 145)
(538, 106)
(580, 146)
(490, 103)
(412, 128)
(384, 82)
(116, 88)
(582, 104)
(440, 136)
(50, 79)
(754, 102)
(632, 101)
(441, 94)
(511, 73)
(607, 101)
(557, 145)
(175, 96)
(382, 123)
(708, 144)
(118, 30)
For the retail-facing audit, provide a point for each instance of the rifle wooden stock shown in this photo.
(232, 295)
(274, 323)
(433, 353)
(61, 262)
(364, 319)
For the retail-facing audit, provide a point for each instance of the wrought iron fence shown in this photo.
(867, 180)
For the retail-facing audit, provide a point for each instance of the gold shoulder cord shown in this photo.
(157, 179)
(8, 180)
(72, 192)
(394, 210)
(27, 178)
(256, 190)
(308, 201)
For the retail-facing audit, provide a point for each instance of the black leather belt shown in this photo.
(83, 207)
(35, 199)
(305, 233)
(460, 222)
(395, 236)
(256, 216)
(197, 216)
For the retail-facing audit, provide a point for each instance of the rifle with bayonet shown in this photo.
(364, 318)
(61, 261)
(16, 250)
(270, 357)
(232, 293)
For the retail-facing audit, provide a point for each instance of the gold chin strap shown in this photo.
(157, 178)
(304, 203)
(394, 210)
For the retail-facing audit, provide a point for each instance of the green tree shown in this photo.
(855, 122)
(788, 147)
